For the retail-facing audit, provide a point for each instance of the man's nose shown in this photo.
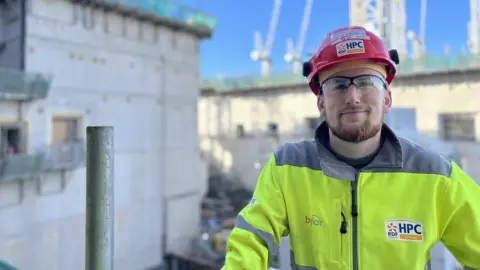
(352, 95)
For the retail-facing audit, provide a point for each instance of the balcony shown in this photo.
(164, 12)
(19, 85)
(20, 166)
(66, 156)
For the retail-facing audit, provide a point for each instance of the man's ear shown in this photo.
(321, 105)
(387, 100)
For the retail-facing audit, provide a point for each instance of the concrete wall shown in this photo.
(145, 85)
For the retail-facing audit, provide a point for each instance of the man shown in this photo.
(357, 197)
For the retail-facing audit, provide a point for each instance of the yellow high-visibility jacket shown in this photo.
(387, 216)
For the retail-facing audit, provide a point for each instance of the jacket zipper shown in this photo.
(354, 223)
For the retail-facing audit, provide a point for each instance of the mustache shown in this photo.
(354, 109)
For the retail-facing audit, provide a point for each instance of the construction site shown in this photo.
(134, 66)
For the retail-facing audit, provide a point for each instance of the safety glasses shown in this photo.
(363, 83)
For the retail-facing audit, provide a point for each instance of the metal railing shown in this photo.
(20, 166)
(170, 10)
(17, 84)
(439, 63)
(65, 156)
(428, 64)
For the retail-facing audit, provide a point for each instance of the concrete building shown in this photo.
(71, 64)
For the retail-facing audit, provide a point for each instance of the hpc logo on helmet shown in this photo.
(350, 47)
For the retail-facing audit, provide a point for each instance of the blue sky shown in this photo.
(227, 53)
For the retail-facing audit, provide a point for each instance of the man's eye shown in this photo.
(340, 86)
(365, 84)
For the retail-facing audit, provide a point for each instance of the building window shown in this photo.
(65, 129)
(457, 127)
(11, 139)
(273, 129)
(240, 131)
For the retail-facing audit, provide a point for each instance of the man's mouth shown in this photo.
(353, 112)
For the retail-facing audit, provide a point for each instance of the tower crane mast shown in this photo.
(294, 53)
(474, 27)
(418, 41)
(423, 23)
(262, 51)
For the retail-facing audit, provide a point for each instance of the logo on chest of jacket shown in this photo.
(313, 221)
(404, 230)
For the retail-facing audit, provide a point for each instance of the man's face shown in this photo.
(353, 115)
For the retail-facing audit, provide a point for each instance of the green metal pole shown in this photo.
(100, 204)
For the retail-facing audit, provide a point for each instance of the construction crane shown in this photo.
(294, 53)
(418, 41)
(385, 18)
(474, 27)
(262, 51)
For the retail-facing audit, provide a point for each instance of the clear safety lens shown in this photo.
(364, 83)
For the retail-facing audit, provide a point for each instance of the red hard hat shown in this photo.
(346, 44)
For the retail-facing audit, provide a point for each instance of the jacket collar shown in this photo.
(390, 154)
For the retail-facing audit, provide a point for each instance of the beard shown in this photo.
(355, 134)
